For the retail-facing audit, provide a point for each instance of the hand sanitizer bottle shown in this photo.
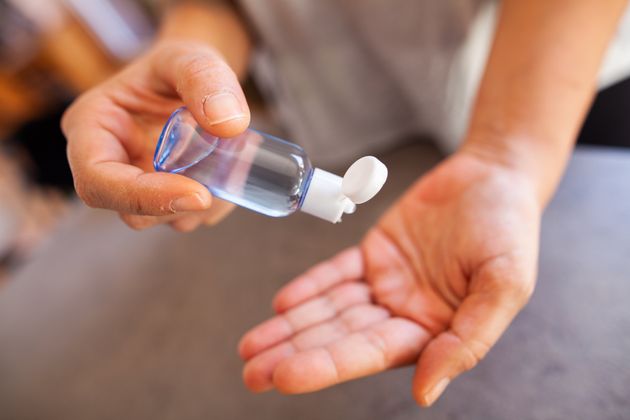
(262, 172)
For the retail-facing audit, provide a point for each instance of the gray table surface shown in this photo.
(107, 323)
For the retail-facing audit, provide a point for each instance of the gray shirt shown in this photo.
(346, 77)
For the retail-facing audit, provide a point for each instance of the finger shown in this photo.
(103, 176)
(137, 222)
(345, 266)
(206, 84)
(181, 222)
(220, 210)
(312, 312)
(353, 319)
(478, 323)
(258, 371)
(125, 188)
(390, 343)
(187, 223)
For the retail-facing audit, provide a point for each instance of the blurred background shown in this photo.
(50, 51)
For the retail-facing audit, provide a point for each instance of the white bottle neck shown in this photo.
(324, 197)
(330, 196)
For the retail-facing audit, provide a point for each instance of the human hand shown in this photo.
(112, 131)
(436, 282)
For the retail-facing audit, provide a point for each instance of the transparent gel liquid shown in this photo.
(253, 170)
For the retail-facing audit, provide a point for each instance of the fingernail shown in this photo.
(193, 202)
(431, 396)
(222, 107)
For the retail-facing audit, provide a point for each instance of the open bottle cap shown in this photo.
(364, 179)
(329, 196)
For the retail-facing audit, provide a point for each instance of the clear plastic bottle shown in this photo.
(262, 172)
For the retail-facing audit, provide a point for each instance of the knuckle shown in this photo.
(201, 74)
(470, 357)
(135, 206)
(195, 65)
(379, 344)
(468, 352)
(517, 289)
(471, 352)
(201, 63)
(136, 201)
(139, 207)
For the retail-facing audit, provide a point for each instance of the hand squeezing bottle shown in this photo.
(262, 172)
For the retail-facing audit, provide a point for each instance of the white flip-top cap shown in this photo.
(364, 179)
(329, 196)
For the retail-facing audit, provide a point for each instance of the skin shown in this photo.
(442, 274)
(112, 129)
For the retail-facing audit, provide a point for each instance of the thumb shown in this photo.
(206, 84)
(479, 322)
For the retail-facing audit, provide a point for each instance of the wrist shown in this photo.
(530, 159)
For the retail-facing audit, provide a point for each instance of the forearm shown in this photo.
(216, 24)
(538, 84)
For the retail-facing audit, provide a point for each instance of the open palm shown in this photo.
(436, 282)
